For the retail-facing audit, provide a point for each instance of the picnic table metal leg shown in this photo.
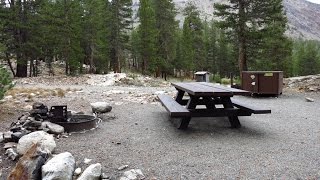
(183, 124)
(192, 104)
(209, 102)
(179, 96)
(234, 120)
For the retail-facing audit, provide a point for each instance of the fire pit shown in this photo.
(79, 122)
(71, 123)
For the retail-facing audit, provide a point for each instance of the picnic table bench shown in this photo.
(211, 96)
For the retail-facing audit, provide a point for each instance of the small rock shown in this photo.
(77, 172)
(10, 145)
(118, 103)
(2, 101)
(53, 128)
(28, 100)
(8, 98)
(7, 136)
(101, 107)
(87, 161)
(1, 137)
(61, 166)
(17, 135)
(133, 174)
(123, 167)
(159, 92)
(93, 172)
(104, 176)
(309, 99)
(28, 108)
(12, 154)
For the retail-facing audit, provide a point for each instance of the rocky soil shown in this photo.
(137, 135)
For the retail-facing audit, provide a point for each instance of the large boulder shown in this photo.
(93, 172)
(60, 167)
(53, 128)
(101, 107)
(45, 141)
(29, 165)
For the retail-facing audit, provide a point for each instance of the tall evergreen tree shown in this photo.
(95, 34)
(308, 58)
(148, 33)
(193, 44)
(255, 25)
(121, 13)
(18, 31)
(166, 42)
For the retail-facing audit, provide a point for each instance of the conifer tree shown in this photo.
(121, 13)
(147, 33)
(193, 44)
(95, 34)
(255, 26)
(166, 42)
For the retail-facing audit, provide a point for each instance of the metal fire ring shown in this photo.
(79, 122)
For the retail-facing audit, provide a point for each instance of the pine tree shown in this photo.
(121, 13)
(193, 44)
(147, 33)
(256, 26)
(166, 42)
(95, 34)
(18, 32)
(308, 58)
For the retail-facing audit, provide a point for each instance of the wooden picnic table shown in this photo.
(209, 96)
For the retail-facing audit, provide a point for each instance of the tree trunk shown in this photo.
(31, 67)
(92, 66)
(242, 58)
(22, 70)
(21, 38)
(10, 65)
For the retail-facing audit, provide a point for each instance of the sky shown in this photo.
(315, 1)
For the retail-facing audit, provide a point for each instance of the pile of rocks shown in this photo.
(31, 139)
(21, 132)
(309, 83)
(144, 81)
(105, 80)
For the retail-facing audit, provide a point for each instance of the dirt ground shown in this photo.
(137, 132)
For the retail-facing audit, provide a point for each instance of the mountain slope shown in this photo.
(304, 19)
(303, 16)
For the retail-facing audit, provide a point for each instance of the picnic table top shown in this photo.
(208, 89)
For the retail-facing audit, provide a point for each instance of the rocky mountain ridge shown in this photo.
(303, 16)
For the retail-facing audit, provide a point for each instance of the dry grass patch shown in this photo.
(35, 92)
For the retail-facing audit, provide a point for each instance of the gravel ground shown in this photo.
(281, 145)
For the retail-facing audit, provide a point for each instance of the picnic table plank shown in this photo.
(198, 89)
(175, 109)
(234, 91)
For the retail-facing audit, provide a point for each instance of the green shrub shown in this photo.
(225, 81)
(5, 81)
(216, 78)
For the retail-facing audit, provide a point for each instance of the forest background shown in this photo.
(248, 35)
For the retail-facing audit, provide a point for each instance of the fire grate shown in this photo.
(79, 122)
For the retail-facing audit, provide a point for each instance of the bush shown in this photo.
(216, 78)
(225, 81)
(5, 81)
